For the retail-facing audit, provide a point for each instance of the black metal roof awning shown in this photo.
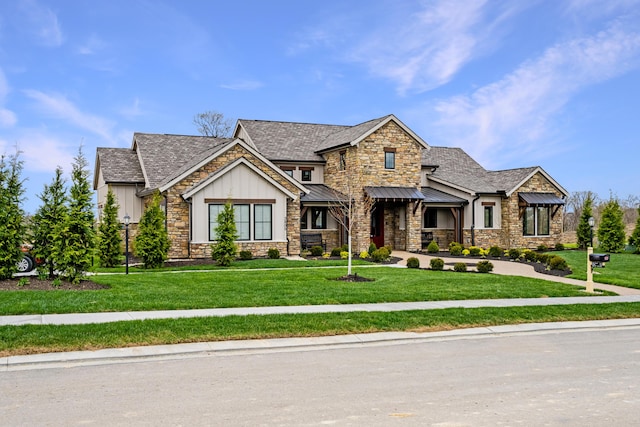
(395, 194)
(437, 197)
(320, 193)
(541, 199)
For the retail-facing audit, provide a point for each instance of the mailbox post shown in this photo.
(589, 270)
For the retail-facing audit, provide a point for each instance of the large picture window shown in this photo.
(262, 221)
(536, 221)
(319, 218)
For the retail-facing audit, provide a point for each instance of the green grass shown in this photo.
(29, 339)
(623, 270)
(253, 288)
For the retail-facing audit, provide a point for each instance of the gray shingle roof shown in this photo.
(348, 135)
(166, 156)
(458, 168)
(119, 165)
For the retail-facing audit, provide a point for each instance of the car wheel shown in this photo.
(25, 264)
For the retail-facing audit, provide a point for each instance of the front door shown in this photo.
(377, 225)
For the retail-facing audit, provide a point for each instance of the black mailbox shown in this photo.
(598, 260)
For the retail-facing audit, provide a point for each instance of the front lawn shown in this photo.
(623, 270)
(253, 288)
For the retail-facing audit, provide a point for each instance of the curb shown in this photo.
(243, 347)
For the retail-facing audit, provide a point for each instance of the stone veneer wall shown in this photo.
(365, 167)
(512, 222)
(178, 210)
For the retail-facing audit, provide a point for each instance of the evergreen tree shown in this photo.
(224, 251)
(611, 233)
(73, 252)
(109, 240)
(52, 212)
(152, 242)
(634, 239)
(12, 228)
(583, 232)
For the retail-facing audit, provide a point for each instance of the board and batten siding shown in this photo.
(239, 183)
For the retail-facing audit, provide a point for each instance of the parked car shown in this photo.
(28, 261)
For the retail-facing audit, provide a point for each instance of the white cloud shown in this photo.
(60, 107)
(132, 111)
(43, 152)
(42, 23)
(243, 85)
(509, 116)
(426, 50)
(91, 46)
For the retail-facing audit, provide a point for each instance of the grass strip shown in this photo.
(30, 339)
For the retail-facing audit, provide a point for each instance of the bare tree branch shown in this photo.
(211, 123)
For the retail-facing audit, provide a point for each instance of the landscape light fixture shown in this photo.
(126, 218)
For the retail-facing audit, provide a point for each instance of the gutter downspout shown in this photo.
(190, 228)
(473, 220)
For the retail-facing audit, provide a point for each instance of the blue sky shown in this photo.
(514, 83)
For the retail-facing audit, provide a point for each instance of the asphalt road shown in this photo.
(569, 378)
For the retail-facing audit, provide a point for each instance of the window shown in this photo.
(214, 211)
(243, 221)
(304, 224)
(343, 160)
(488, 217)
(262, 222)
(306, 174)
(288, 172)
(389, 158)
(536, 221)
(431, 218)
(318, 218)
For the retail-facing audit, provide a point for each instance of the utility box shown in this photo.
(599, 260)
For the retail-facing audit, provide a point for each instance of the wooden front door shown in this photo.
(377, 225)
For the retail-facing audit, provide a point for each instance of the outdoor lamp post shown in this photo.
(127, 218)
(592, 222)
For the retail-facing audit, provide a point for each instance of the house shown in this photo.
(283, 178)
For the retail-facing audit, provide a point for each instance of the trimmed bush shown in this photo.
(514, 253)
(556, 262)
(433, 247)
(460, 267)
(475, 251)
(372, 247)
(529, 255)
(413, 262)
(496, 251)
(465, 252)
(344, 255)
(316, 251)
(543, 258)
(484, 266)
(559, 247)
(455, 249)
(436, 263)
(273, 253)
(543, 248)
(388, 247)
(364, 255)
(336, 251)
(380, 255)
(246, 255)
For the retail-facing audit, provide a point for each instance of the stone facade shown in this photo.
(177, 210)
(365, 167)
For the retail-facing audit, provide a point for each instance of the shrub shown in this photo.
(273, 253)
(460, 267)
(514, 253)
(316, 251)
(413, 262)
(436, 263)
(433, 247)
(543, 258)
(344, 255)
(304, 253)
(326, 255)
(475, 251)
(542, 248)
(380, 255)
(559, 247)
(556, 262)
(455, 249)
(364, 255)
(246, 255)
(372, 247)
(465, 252)
(388, 247)
(529, 255)
(496, 251)
(484, 266)
(336, 251)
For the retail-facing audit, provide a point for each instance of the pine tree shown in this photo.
(583, 232)
(52, 212)
(109, 240)
(224, 251)
(634, 239)
(611, 233)
(12, 228)
(73, 252)
(152, 242)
